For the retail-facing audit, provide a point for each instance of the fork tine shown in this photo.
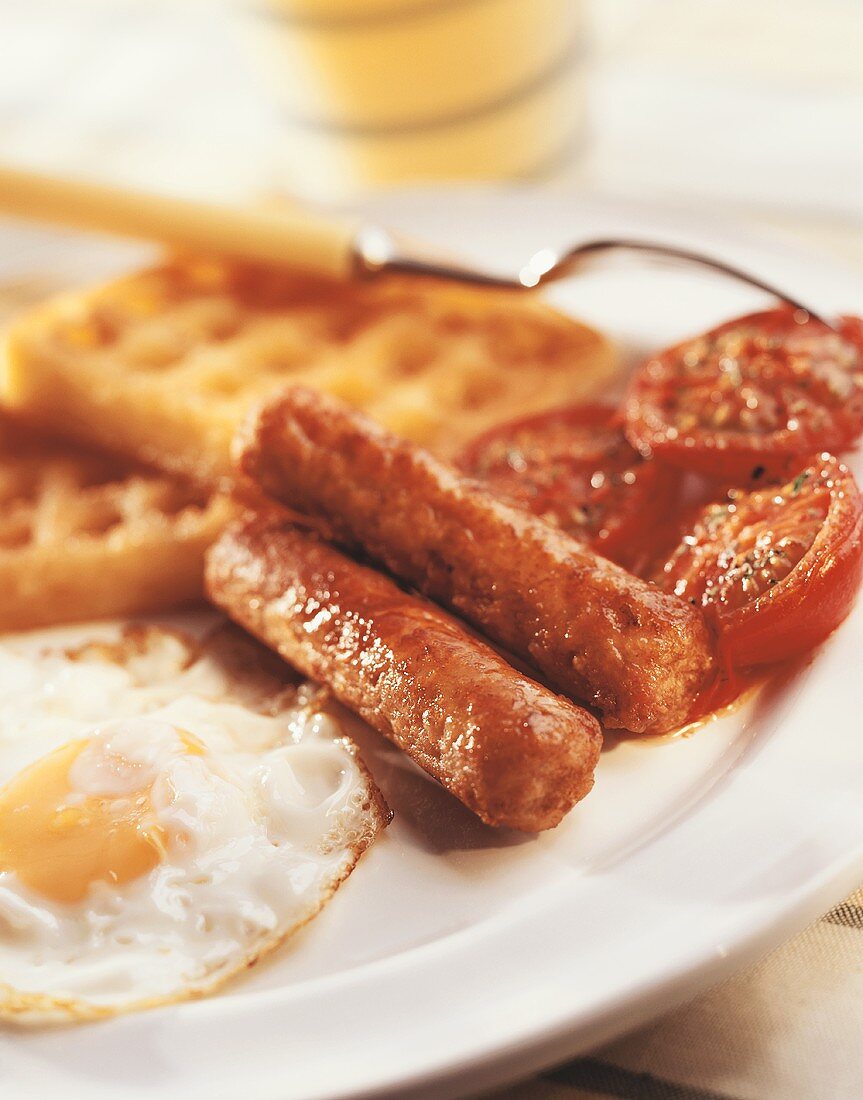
(568, 263)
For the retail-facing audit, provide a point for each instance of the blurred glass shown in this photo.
(375, 92)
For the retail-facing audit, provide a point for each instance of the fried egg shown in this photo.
(167, 815)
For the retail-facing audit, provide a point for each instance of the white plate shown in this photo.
(456, 957)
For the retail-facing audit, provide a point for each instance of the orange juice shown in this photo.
(389, 91)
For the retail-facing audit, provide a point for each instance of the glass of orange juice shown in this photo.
(378, 92)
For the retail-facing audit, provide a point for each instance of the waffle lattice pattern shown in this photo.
(83, 536)
(161, 366)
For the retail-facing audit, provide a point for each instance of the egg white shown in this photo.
(265, 818)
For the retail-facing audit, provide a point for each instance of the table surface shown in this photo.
(744, 110)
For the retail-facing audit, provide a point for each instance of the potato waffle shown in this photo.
(162, 365)
(83, 536)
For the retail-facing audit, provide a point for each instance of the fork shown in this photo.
(320, 242)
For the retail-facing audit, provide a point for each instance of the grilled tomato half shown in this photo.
(777, 569)
(753, 398)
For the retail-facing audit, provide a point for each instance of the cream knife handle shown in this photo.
(320, 243)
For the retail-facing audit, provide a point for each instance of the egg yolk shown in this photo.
(59, 844)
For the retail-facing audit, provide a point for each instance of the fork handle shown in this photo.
(323, 244)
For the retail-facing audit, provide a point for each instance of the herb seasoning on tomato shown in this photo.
(776, 569)
(754, 397)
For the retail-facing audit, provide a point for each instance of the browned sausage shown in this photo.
(596, 632)
(512, 751)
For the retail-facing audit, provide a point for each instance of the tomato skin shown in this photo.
(574, 467)
(750, 399)
(781, 628)
(852, 329)
(808, 604)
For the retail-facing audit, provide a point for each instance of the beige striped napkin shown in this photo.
(788, 1029)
